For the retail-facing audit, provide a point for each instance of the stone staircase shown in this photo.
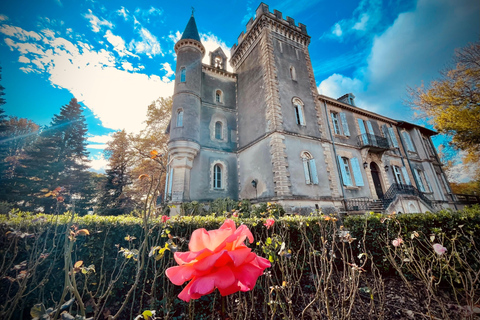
(376, 206)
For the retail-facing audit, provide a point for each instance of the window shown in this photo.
(408, 141)
(180, 118)
(298, 108)
(390, 135)
(423, 183)
(183, 72)
(309, 168)
(401, 175)
(218, 96)
(218, 62)
(347, 167)
(217, 176)
(368, 137)
(218, 130)
(340, 128)
(293, 73)
(429, 147)
(336, 124)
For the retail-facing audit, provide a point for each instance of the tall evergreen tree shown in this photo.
(54, 170)
(113, 199)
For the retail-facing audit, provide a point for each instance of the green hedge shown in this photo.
(284, 290)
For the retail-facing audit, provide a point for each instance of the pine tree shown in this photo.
(54, 170)
(114, 200)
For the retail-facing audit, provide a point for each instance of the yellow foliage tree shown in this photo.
(452, 103)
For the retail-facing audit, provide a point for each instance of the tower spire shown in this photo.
(191, 31)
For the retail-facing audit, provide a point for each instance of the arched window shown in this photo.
(309, 168)
(180, 118)
(217, 176)
(183, 73)
(218, 130)
(299, 114)
(218, 96)
(293, 73)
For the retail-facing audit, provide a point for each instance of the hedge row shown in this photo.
(286, 290)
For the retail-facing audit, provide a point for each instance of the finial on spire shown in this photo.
(193, 10)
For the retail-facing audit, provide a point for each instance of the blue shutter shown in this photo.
(300, 115)
(405, 176)
(386, 135)
(166, 187)
(428, 182)
(419, 180)
(362, 131)
(408, 141)
(357, 174)
(313, 171)
(393, 137)
(372, 134)
(345, 178)
(306, 170)
(346, 131)
(170, 181)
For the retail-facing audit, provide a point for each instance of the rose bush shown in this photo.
(217, 259)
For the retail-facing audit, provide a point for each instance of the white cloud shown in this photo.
(118, 44)
(100, 139)
(96, 146)
(19, 33)
(98, 163)
(23, 59)
(124, 13)
(460, 171)
(119, 98)
(3, 17)
(167, 67)
(413, 49)
(148, 44)
(146, 14)
(97, 23)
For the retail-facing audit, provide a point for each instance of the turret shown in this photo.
(185, 122)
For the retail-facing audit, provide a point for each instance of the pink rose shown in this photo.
(268, 223)
(439, 249)
(165, 219)
(397, 242)
(217, 259)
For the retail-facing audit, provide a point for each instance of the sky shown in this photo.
(116, 57)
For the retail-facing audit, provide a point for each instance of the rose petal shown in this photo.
(221, 278)
(211, 261)
(202, 238)
(178, 275)
(239, 256)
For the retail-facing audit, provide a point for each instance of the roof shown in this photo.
(191, 31)
(408, 125)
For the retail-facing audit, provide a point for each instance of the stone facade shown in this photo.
(264, 133)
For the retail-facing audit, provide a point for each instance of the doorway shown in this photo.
(375, 171)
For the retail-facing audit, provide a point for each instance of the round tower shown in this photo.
(184, 145)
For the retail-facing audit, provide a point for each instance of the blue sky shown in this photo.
(116, 57)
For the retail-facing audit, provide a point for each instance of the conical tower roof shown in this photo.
(191, 31)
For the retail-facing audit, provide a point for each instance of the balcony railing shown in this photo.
(375, 143)
(397, 189)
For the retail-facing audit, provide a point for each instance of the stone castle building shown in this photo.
(264, 133)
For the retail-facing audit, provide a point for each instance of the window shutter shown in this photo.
(300, 114)
(346, 131)
(357, 174)
(306, 170)
(408, 141)
(428, 182)
(372, 134)
(419, 180)
(170, 181)
(313, 171)
(166, 187)
(345, 178)
(387, 135)
(393, 137)
(362, 131)
(405, 176)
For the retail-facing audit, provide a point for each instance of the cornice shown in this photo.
(217, 71)
(189, 43)
(356, 109)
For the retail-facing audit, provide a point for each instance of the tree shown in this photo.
(54, 170)
(113, 199)
(452, 103)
